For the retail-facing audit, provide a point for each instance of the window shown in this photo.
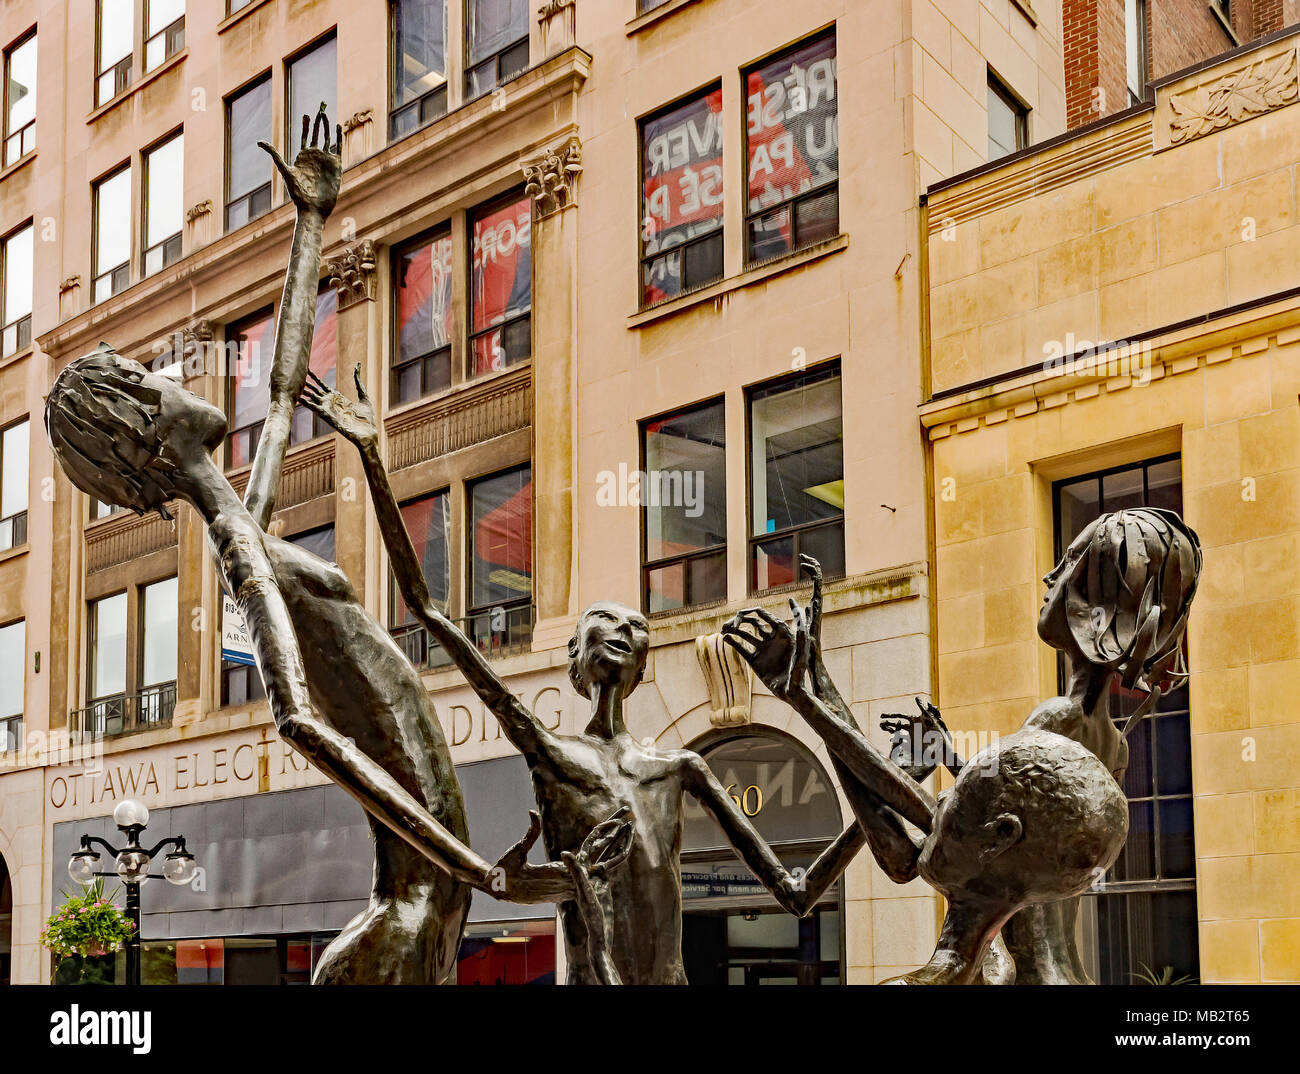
(681, 192)
(112, 234)
(419, 64)
(20, 100)
(796, 477)
(501, 560)
(313, 80)
(684, 498)
(99, 509)
(241, 684)
(250, 387)
(164, 206)
(13, 668)
(164, 31)
(116, 31)
(1008, 120)
(323, 362)
(1135, 48)
(501, 286)
(1146, 920)
(793, 151)
(248, 168)
(236, 5)
(428, 521)
(158, 642)
(642, 6)
(14, 477)
(498, 44)
(422, 350)
(16, 293)
(107, 624)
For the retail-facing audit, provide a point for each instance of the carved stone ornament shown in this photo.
(731, 684)
(203, 208)
(352, 273)
(358, 119)
(1252, 90)
(552, 180)
(68, 284)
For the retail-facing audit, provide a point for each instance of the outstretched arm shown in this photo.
(356, 422)
(313, 184)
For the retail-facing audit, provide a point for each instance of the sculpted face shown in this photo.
(612, 643)
(1053, 624)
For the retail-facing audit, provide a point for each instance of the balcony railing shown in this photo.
(11, 734)
(124, 714)
(497, 632)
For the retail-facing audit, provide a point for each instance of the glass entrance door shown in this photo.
(762, 947)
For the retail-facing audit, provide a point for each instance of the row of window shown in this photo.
(115, 41)
(792, 184)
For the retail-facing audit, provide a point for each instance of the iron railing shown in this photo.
(501, 631)
(124, 714)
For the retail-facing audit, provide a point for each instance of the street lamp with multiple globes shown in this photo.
(132, 863)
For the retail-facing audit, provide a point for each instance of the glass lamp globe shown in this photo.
(179, 868)
(81, 867)
(130, 814)
(133, 866)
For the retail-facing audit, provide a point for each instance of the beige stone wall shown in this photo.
(1103, 237)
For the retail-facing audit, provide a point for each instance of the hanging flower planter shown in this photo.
(87, 926)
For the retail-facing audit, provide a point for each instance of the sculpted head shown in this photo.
(1034, 818)
(608, 648)
(1120, 596)
(123, 434)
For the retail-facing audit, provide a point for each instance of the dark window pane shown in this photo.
(501, 287)
(1141, 934)
(682, 189)
(494, 25)
(817, 219)
(707, 578)
(703, 262)
(826, 545)
(428, 521)
(1137, 862)
(1122, 490)
(1165, 485)
(423, 296)
(773, 563)
(319, 542)
(1174, 756)
(1177, 854)
(666, 587)
(1137, 777)
(250, 390)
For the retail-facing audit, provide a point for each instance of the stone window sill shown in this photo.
(136, 87)
(653, 16)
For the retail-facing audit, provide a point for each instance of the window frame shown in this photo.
(647, 565)
(395, 111)
(12, 723)
(832, 368)
(514, 196)
(397, 252)
(30, 126)
(1019, 110)
(411, 636)
(718, 234)
(173, 245)
(122, 70)
(292, 123)
(17, 522)
(495, 58)
(173, 35)
(262, 190)
(20, 331)
(792, 203)
(111, 273)
(474, 612)
(235, 329)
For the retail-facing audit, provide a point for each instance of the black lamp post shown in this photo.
(132, 868)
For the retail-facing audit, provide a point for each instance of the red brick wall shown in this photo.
(1180, 33)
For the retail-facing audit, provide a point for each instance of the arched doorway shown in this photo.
(733, 930)
(6, 923)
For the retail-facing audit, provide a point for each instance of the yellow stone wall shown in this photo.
(1120, 235)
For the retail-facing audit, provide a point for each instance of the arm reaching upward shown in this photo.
(313, 184)
(356, 421)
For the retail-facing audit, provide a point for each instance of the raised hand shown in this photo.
(920, 740)
(607, 844)
(314, 178)
(355, 420)
(778, 652)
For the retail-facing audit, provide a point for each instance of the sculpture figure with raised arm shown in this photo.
(340, 690)
(1032, 819)
(581, 779)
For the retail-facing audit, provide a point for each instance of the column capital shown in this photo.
(352, 273)
(552, 180)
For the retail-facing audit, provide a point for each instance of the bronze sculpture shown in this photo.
(581, 779)
(340, 690)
